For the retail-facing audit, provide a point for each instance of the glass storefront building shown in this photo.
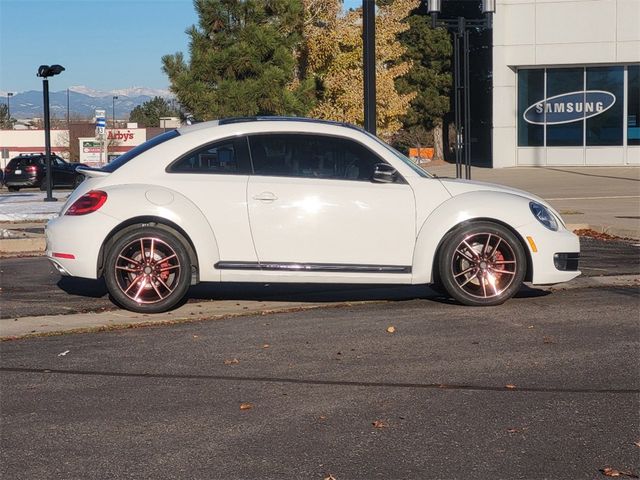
(579, 106)
(566, 83)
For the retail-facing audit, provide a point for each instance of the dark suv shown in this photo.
(29, 171)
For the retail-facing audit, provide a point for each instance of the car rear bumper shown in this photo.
(22, 182)
(73, 243)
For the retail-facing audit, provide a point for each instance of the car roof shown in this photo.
(240, 120)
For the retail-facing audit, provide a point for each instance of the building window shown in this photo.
(606, 128)
(530, 91)
(633, 105)
(578, 106)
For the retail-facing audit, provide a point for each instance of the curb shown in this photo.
(22, 246)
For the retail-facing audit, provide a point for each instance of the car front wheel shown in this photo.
(148, 270)
(482, 264)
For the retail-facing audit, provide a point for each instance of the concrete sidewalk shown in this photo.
(604, 199)
(21, 327)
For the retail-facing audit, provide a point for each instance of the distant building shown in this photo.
(76, 144)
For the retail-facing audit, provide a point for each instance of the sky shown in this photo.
(103, 44)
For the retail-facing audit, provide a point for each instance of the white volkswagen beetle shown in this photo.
(298, 200)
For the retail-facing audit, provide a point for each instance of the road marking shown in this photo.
(595, 198)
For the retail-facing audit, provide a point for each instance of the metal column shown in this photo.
(369, 58)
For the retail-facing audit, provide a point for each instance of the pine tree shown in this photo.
(242, 60)
(5, 121)
(336, 64)
(429, 51)
(149, 113)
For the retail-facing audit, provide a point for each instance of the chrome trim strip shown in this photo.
(312, 267)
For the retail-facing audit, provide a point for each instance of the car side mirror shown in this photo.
(384, 173)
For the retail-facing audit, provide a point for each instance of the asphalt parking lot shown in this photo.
(542, 387)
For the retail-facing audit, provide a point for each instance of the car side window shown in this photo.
(311, 156)
(224, 157)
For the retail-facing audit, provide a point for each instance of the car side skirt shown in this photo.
(312, 267)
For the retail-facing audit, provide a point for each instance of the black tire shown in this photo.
(436, 282)
(148, 270)
(77, 180)
(482, 264)
(43, 186)
(14, 189)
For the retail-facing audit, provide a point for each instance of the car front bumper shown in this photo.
(554, 255)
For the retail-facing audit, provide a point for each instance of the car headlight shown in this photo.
(544, 216)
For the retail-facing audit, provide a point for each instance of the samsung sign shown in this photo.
(569, 107)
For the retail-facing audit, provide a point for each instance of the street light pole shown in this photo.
(460, 27)
(9, 95)
(46, 71)
(113, 112)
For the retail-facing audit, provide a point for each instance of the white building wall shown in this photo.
(16, 142)
(528, 33)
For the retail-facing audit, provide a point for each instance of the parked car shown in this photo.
(294, 200)
(29, 171)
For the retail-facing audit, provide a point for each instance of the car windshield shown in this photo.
(134, 152)
(403, 158)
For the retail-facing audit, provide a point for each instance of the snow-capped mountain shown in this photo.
(82, 101)
(127, 92)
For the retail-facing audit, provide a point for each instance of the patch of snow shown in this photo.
(30, 206)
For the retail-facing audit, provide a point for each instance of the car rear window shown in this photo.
(134, 152)
(22, 162)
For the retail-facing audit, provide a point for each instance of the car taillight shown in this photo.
(88, 203)
(31, 168)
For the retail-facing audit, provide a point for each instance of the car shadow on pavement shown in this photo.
(326, 293)
(288, 292)
(83, 287)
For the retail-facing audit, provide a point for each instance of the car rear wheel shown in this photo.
(148, 270)
(14, 189)
(77, 180)
(482, 264)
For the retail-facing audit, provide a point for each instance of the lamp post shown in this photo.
(46, 71)
(9, 95)
(460, 27)
(113, 111)
(369, 57)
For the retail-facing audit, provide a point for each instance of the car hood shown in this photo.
(457, 186)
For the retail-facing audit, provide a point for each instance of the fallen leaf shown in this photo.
(231, 361)
(62, 354)
(513, 430)
(330, 477)
(195, 336)
(510, 386)
(322, 417)
(246, 406)
(379, 424)
(612, 472)
(266, 345)
(637, 444)
(548, 340)
(391, 329)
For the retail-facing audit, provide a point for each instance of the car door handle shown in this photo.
(265, 197)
